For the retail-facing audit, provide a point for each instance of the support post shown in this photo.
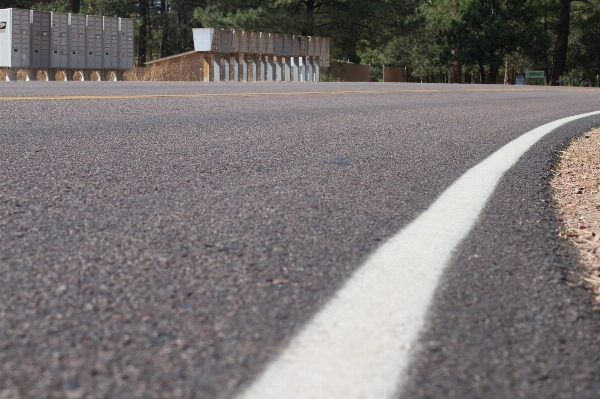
(236, 67)
(254, 68)
(51, 75)
(302, 68)
(69, 75)
(245, 68)
(311, 77)
(279, 69)
(288, 75)
(86, 75)
(263, 67)
(31, 75)
(11, 74)
(227, 58)
(101, 75)
(270, 68)
(217, 67)
(296, 68)
(317, 69)
(208, 66)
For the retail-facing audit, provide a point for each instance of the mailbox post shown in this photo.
(303, 56)
(286, 53)
(58, 44)
(235, 49)
(278, 54)
(225, 49)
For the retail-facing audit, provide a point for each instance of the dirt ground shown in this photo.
(577, 192)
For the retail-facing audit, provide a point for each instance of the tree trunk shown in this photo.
(163, 42)
(455, 72)
(143, 32)
(310, 11)
(493, 76)
(506, 74)
(482, 73)
(74, 6)
(562, 42)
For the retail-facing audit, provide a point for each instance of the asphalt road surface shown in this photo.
(168, 240)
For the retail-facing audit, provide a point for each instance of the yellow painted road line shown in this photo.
(249, 94)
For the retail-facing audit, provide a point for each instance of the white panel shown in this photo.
(14, 38)
(125, 43)
(93, 42)
(206, 39)
(110, 43)
(59, 57)
(6, 41)
(76, 42)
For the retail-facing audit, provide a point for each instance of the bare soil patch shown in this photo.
(577, 192)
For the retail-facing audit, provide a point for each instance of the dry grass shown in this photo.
(577, 192)
(179, 72)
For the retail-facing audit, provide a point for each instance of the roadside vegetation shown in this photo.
(577, 192)
(450, 41)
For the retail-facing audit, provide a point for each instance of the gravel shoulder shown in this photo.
(577, 195)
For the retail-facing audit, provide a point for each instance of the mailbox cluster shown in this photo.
(278, 55)
(51, 41)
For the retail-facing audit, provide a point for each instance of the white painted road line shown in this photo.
(358, 346)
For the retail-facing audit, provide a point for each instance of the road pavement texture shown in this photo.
(172, 247)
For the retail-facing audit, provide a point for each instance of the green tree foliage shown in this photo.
(468, 41)
(486, 31)
(348, 23)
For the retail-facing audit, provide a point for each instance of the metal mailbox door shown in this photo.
(110, 45)
(59, 27)
(278, 51)
(125, 43)
(254, 42)
(76, 42)
(20, 38)
(318, 41)
(226, 39)
(287, 44)
(40, 39)
(235, 41)
(325, 52)
(270, 44)
(93, 48)
(303, 46)
(215, 46)
(296, 46)
(312, 46)
(262, 42)
(245, 42)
